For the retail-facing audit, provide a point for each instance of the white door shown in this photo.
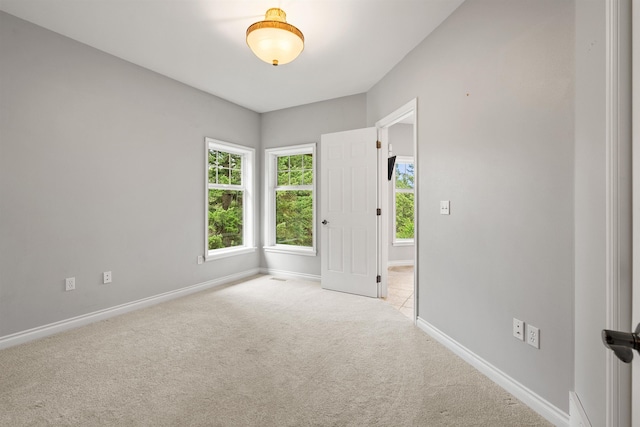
(348, 204)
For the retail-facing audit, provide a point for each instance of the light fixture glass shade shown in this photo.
(274, 40)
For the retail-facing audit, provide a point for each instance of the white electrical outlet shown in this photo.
(518, 329)
(200, 259)
(106, 277)
(533, 336)
(70, 284)
(444, 207)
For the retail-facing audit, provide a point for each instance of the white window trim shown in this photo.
(248, 203)
(270, 169)
(396, 241)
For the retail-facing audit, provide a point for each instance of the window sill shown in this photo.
(294, 250)
(403, 243)
(225, 253)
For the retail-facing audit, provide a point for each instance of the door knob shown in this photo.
(325, 222)
(622, 343)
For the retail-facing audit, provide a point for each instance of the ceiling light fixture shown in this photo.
(273, 40)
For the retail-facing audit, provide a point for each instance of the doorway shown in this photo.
(350, 181)
(398, 197)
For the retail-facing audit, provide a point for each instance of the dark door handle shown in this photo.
(325, 222)
(622, 343)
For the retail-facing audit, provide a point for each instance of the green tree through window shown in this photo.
(225, 218)
(230, 199)
(404, 200)
(290, 205)
(294, 200)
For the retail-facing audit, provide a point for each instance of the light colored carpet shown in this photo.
(259, 353)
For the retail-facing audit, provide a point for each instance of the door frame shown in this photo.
(618, 203)
(635, 176)
(383, 126)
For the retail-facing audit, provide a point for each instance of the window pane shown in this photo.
(223, 159)
(283, 163)
(213, 161)
(283, 178)
(236, 162)
(308, 161)
(307, 178)
(225, 168)
(296, 177)
(223, 176)
(236, 177)
(225, 219)
(294, 218)
(295, 170)
(295, 162)
(404, 175)
(404, 215)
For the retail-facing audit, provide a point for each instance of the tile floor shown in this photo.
(400, 289)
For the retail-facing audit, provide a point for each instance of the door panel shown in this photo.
(359, 258)
(336, 242)
(348, 199)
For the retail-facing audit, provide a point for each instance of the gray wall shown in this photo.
(590, 214)
(301, 125)
(495, 137)
(101, 168)
(401, 139)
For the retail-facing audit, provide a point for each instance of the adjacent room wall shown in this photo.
(301, 125)
(101, 168)
(495, 93)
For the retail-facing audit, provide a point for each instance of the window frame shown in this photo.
(271, 178)
(397, 241)
(248, 198)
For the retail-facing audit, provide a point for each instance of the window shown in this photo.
(403, 201)
(290, 199)
(229, 207)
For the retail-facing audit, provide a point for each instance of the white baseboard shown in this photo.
(400, 263)
(578, 416)
(290, 274)
(85, 319)
(550, 412)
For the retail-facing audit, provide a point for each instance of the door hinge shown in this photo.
(378, 278)
(378, 211)
(378, 144)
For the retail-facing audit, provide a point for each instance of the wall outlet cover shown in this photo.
(533, 336)
(518, 329)
(106, 277)
(70, 284)
(444, 207)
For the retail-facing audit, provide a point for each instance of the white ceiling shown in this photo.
(349, 44)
